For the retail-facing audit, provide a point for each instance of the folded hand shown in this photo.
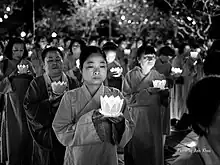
(116, 120)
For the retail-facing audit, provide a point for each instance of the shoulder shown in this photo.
(38, 81)
(135, 70)
(156, 73)
(73, 93)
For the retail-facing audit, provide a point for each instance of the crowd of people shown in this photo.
(50, 100)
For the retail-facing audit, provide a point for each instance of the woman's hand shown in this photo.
(116, 120)
(55, 101)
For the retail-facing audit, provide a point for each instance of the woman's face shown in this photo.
(17, 51)
(53, 63)
(147, 60)
(110, 56)
(76, 50)
(94, 70)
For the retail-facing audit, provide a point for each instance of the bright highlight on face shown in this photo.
(94, 70)
(110, 56)
(147, 60)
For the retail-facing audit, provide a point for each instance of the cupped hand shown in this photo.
(117, 119)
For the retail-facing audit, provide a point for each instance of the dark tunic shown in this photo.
(112, 81)
(164, 67)
(16, 144)
(40, 114)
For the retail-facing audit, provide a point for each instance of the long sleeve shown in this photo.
(129, 123)
(37, 110)
(63, 125)
(71, 131)
(129, 126)
(5, 86)
(126, 87)
(39, 113)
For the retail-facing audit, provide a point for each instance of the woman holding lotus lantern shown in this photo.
(90, 120)
(41, 102)
(145, 91)
(17, 73)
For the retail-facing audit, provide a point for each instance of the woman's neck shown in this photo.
(145, 71)
(92, 88)
(55, 77)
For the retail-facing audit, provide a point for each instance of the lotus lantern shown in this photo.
(22, 68)
(111, 106)
(59, 87)
(176, 70)
(159, 84)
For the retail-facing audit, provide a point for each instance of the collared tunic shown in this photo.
(75, 129)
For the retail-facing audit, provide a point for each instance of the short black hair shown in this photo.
(109, 46)
(145, 49)
(87, 52)
(166, 51)
(203, 102)
(51, 49)
(211, 63)
(8, 48)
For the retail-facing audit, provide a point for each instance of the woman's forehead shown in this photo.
(95, 57)
(111, 53)
(148, 55)
(18, 45)
(52, 54)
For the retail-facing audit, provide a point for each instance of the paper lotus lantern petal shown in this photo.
(111, 106)
(159, 84)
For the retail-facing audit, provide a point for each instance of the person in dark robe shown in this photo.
(41, 102)
(114, 72)
(71, 59)
(121, 57)
(91, 137)
(16, 141)
(204, 109)
(177, 100)
(164, 66)
(145, 101)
